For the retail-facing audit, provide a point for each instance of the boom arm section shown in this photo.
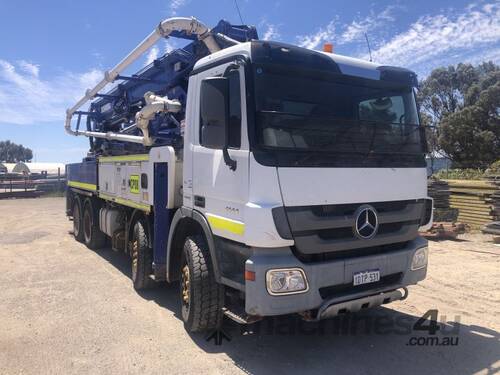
(188, 28)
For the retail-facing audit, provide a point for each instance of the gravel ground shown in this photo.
(65, 309)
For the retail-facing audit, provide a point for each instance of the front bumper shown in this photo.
(335, 276)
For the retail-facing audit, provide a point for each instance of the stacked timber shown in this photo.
(492, 228)
(439, 191)
(475, 201)
(493, 177)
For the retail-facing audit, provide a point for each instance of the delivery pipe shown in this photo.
(154, 104)
(164, 29)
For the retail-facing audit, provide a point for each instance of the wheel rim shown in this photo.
(135, 256)
(87, 225)
(76, 220)
(185, 291)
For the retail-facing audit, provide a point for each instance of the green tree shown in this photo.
(442, 92)
(462, 105)
(12, 153)
(471, 136)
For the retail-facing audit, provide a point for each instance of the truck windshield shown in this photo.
(363, 117)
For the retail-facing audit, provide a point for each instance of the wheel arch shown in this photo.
(184, 223)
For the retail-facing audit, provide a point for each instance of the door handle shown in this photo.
(199, 201)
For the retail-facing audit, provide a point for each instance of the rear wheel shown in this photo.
(142, 257)
(77, 219)
(202, 298)
(93, 237)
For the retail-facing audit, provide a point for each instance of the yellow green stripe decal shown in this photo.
(222, 223)
(126, 202)
(139, 157)
(82, 185)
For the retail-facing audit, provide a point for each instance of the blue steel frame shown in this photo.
(162, 215)
(84, 172)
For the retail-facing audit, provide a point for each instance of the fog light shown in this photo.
(419, 258)
(286, 281)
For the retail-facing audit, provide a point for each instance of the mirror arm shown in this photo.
(231, 163)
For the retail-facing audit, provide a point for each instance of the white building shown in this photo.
(7, 167)
(40, 168)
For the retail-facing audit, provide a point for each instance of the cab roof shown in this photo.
(281, 53)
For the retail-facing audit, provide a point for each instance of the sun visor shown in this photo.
(264, 52)
(398, 75)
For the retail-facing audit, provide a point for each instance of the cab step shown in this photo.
(240, 316)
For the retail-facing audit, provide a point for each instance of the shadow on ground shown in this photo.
(377, 341)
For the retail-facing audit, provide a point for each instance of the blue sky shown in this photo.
(51, 51)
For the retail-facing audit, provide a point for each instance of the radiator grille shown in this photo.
(327, 231)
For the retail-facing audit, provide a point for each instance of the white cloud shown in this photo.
(169, 46)
(357, 28)
(25, 98)
(323, 34)
(175, 5)
(354, 31)
(470, 34)
(271, 32)
(29, 68)
(152, 55)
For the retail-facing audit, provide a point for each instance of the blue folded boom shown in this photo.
(165, 76)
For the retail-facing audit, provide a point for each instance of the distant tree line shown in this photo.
(462, 106)
(11, 152)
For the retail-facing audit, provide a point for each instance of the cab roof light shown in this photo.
(328, 47)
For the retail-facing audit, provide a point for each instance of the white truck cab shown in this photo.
(306, 172)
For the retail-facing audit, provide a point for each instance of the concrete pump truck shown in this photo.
(265, 178)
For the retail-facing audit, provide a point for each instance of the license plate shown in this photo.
(366, 277)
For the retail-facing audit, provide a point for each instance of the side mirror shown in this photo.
(214, 112)
(214, 116)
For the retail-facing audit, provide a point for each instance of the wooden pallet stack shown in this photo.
(440, 192)
(475, 201)
(493, 177)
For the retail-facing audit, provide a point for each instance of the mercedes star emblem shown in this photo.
(366, 223)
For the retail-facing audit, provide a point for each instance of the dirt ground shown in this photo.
(65, 309)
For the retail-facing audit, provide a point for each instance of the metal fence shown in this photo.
(19, 185)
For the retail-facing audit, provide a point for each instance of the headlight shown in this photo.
(286, 281)
(420, 258)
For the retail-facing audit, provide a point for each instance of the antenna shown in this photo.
(368, 44)
(239, 13)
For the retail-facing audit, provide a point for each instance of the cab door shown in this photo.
(219, 192)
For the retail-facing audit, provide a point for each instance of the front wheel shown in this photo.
(202, 298)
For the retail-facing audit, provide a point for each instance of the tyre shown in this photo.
(202, 298)
(142, 257)
(77, 219)
(92, 235)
